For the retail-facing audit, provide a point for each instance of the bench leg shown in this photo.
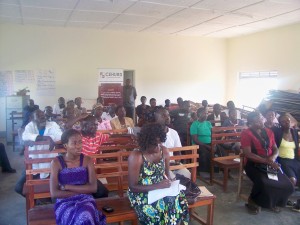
(225, 179)
(210, 213)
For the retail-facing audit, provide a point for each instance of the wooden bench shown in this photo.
(224, 135)
(45, 214)
(115, 165)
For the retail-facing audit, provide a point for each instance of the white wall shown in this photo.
(276, 49)
(165, 66)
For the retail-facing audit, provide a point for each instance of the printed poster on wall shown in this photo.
(6, 83)
(24, 76)
(110, 86)
(45, 83)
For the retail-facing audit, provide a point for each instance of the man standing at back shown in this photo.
(129, 96)
(162, 117)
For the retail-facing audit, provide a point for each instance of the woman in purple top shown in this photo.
(72, 182)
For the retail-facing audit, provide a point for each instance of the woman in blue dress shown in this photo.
(72, 182)
(148, 169)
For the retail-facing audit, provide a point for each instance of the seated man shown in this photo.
(110, 114)
(231, 121)
(150, 114)
(215, 116)
(231, 106)
(39, 129)
(180, 119)
(141, 111)
(162, 117)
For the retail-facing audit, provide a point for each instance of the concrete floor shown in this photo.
(228, 211)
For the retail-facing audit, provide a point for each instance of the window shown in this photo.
(253, 87)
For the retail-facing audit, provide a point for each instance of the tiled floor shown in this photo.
(228, 211)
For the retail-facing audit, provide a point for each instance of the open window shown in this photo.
(253, 87)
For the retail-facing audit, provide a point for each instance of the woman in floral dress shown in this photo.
(149, 170)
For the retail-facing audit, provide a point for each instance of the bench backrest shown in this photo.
(113, 166)
(188, 157)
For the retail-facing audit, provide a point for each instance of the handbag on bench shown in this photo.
(192, 190)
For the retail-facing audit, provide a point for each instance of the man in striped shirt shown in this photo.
(91, 139)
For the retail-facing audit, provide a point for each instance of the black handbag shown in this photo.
(192, 190)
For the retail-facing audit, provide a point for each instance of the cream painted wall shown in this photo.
(276, 49)
(165, 66)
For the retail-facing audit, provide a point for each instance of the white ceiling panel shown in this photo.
(177, 17)
(58, 4)
(225, 5)
(116, 6)
(4, 19)
(231, 32)
(45, 13)
(122, 27)
(183, 3)
(289, 18)
(135, 20)
(44, 22)
(269, 9)
(85, 24)
(10, 10)
(16, 2)
(92, 16)
(195, 16)
(203, 29)
(153, 10)
(233, 20)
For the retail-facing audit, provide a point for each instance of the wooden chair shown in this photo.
(240, 195)
(223, 135)
(191, 157)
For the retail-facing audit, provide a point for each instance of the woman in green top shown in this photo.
(201, 135)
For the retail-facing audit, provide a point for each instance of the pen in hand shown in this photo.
(165, 176)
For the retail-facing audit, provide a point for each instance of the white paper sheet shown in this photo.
(161, 193)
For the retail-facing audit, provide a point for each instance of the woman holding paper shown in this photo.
(148, 169)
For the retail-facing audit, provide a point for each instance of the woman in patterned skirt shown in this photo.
(148, 170)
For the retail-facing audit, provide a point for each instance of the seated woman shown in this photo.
(270, 119)
(287, 141)
(201, 135)
(260, 149)
(148, 169)
(121, 121)
(72, 182)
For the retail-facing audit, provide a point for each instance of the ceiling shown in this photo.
(208, 18)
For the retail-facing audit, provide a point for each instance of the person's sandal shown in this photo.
(290, 203)
(296, 208)
(275, 210)
(253, 209)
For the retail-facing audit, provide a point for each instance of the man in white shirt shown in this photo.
(108, 116)
(58, 108)
(39, 129)
(162, 117)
